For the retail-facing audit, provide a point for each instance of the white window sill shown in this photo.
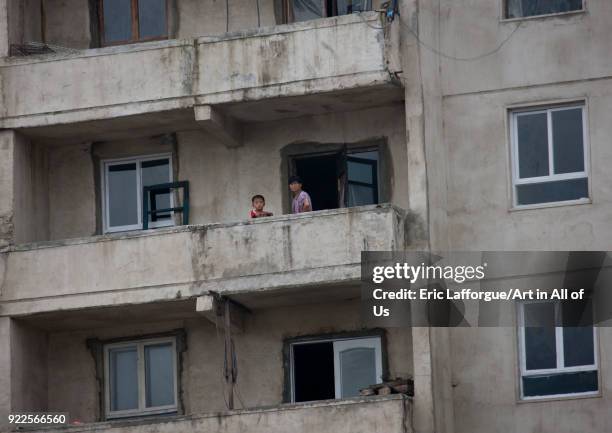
(551, 204)
(543, 17)
(549, 398)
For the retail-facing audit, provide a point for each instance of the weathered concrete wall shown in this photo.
(29, 353)
(480, 215)
(5, 370)
(259, 349)
(98, 78)
(240, 257)
(31, 191)
(23, 369)
(208, 17)
(71, 189)
(23, 21)
(553, 60)
(7, 152)
(24, 193)
(542, 50)
(292, 59)
(67, 23)
(485, 378)
(217, 174)
(390, 414)
(224, 180)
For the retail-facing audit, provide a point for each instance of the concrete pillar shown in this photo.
(24, 194)
(23, 369)
(5, 371)
(7, 164)
(4, 28)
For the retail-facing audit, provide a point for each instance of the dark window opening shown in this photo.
(340, 179)
(125, 21)
(336, 368)
(320, 178)
(304, 10)
(313, 371)
(528, 8)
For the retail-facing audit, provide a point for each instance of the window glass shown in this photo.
(526, 8)
(154, 173)
(540, 340)
(304, 10)
(117, 20)
(152, 18)
(532, 145)
(159, 374)
(560, 383)
(548, 192)
(358, 370)
(122, 195)
(362, 170)
(568, 146)
(578, 346)
(123, 364)
(349, 6)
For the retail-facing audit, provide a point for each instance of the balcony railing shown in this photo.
(389, 414)
(302, 59)
(313, 249)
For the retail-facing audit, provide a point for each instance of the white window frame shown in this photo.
(517, 180)
(560, 368)
(142, 409)
(504, 15)
(105, 164)
(374, 342)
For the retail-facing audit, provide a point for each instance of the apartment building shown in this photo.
(137, 296)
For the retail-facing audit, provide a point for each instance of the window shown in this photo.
(124, 21)
(528, 8)
(341, 178)
(549, 155)
(555, 360)
(123, 182)
(141, 377)
(334, 368)
(303, 10)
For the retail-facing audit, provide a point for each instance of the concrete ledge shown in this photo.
(308, 58)
(240, 259)
(389, 414)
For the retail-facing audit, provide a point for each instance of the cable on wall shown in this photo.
(438, 52)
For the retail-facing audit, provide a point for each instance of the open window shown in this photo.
(127, 21)
(141, 377)
(339, 178)
(123, 182)
(334, 368)
(304, 10)
(555, 360)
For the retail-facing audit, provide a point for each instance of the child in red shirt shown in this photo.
(258, 201)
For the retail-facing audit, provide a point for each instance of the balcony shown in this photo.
(368, 415)
(269, 73)
(258, 262)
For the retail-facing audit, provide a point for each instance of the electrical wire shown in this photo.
(440, 53)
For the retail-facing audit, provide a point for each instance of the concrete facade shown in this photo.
(232, 96)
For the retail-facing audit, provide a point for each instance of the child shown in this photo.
(301, 199)
(258, 201)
